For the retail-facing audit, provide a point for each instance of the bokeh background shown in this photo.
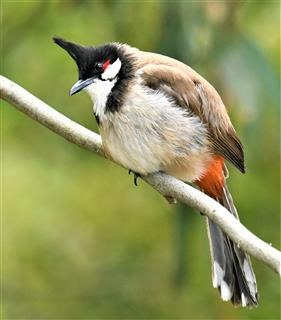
(79, 241)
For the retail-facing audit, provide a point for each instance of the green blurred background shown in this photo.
(79, 240)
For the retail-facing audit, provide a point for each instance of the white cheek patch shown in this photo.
(112, 70)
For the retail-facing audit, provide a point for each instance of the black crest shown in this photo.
(88, 58)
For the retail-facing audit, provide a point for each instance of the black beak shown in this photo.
(80, 85)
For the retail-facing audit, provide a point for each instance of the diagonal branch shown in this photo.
(166, 185)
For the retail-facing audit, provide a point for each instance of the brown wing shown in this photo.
(192, 91)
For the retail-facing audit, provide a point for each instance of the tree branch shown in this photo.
(166, 185)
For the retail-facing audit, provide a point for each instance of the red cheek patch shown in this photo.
(106, 64)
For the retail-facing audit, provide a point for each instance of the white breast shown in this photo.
(149, 133)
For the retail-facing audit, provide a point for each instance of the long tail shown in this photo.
(232, 272)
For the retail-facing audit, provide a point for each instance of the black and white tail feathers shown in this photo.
(232, 270)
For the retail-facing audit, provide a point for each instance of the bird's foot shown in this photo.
(136, 176)
(170, 199)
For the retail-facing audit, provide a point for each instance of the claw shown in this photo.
(136, 179)
(136, 176)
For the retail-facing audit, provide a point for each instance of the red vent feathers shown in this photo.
(212, 181)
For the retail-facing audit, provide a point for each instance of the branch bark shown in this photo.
(166, 185)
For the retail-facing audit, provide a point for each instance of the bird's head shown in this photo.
(95, 64)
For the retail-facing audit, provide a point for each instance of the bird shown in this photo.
(157, 114)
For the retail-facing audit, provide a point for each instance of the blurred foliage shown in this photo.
(79, 240)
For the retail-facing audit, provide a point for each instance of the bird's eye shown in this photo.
(102, 66)
(99, 67)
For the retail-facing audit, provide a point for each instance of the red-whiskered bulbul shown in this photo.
(157, 114)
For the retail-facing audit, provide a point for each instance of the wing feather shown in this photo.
(193, 92)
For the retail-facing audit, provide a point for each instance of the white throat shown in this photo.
(99, 91)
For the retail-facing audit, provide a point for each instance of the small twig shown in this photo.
(166, 185)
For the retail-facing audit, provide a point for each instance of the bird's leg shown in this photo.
(170, 199)
(136, 176)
